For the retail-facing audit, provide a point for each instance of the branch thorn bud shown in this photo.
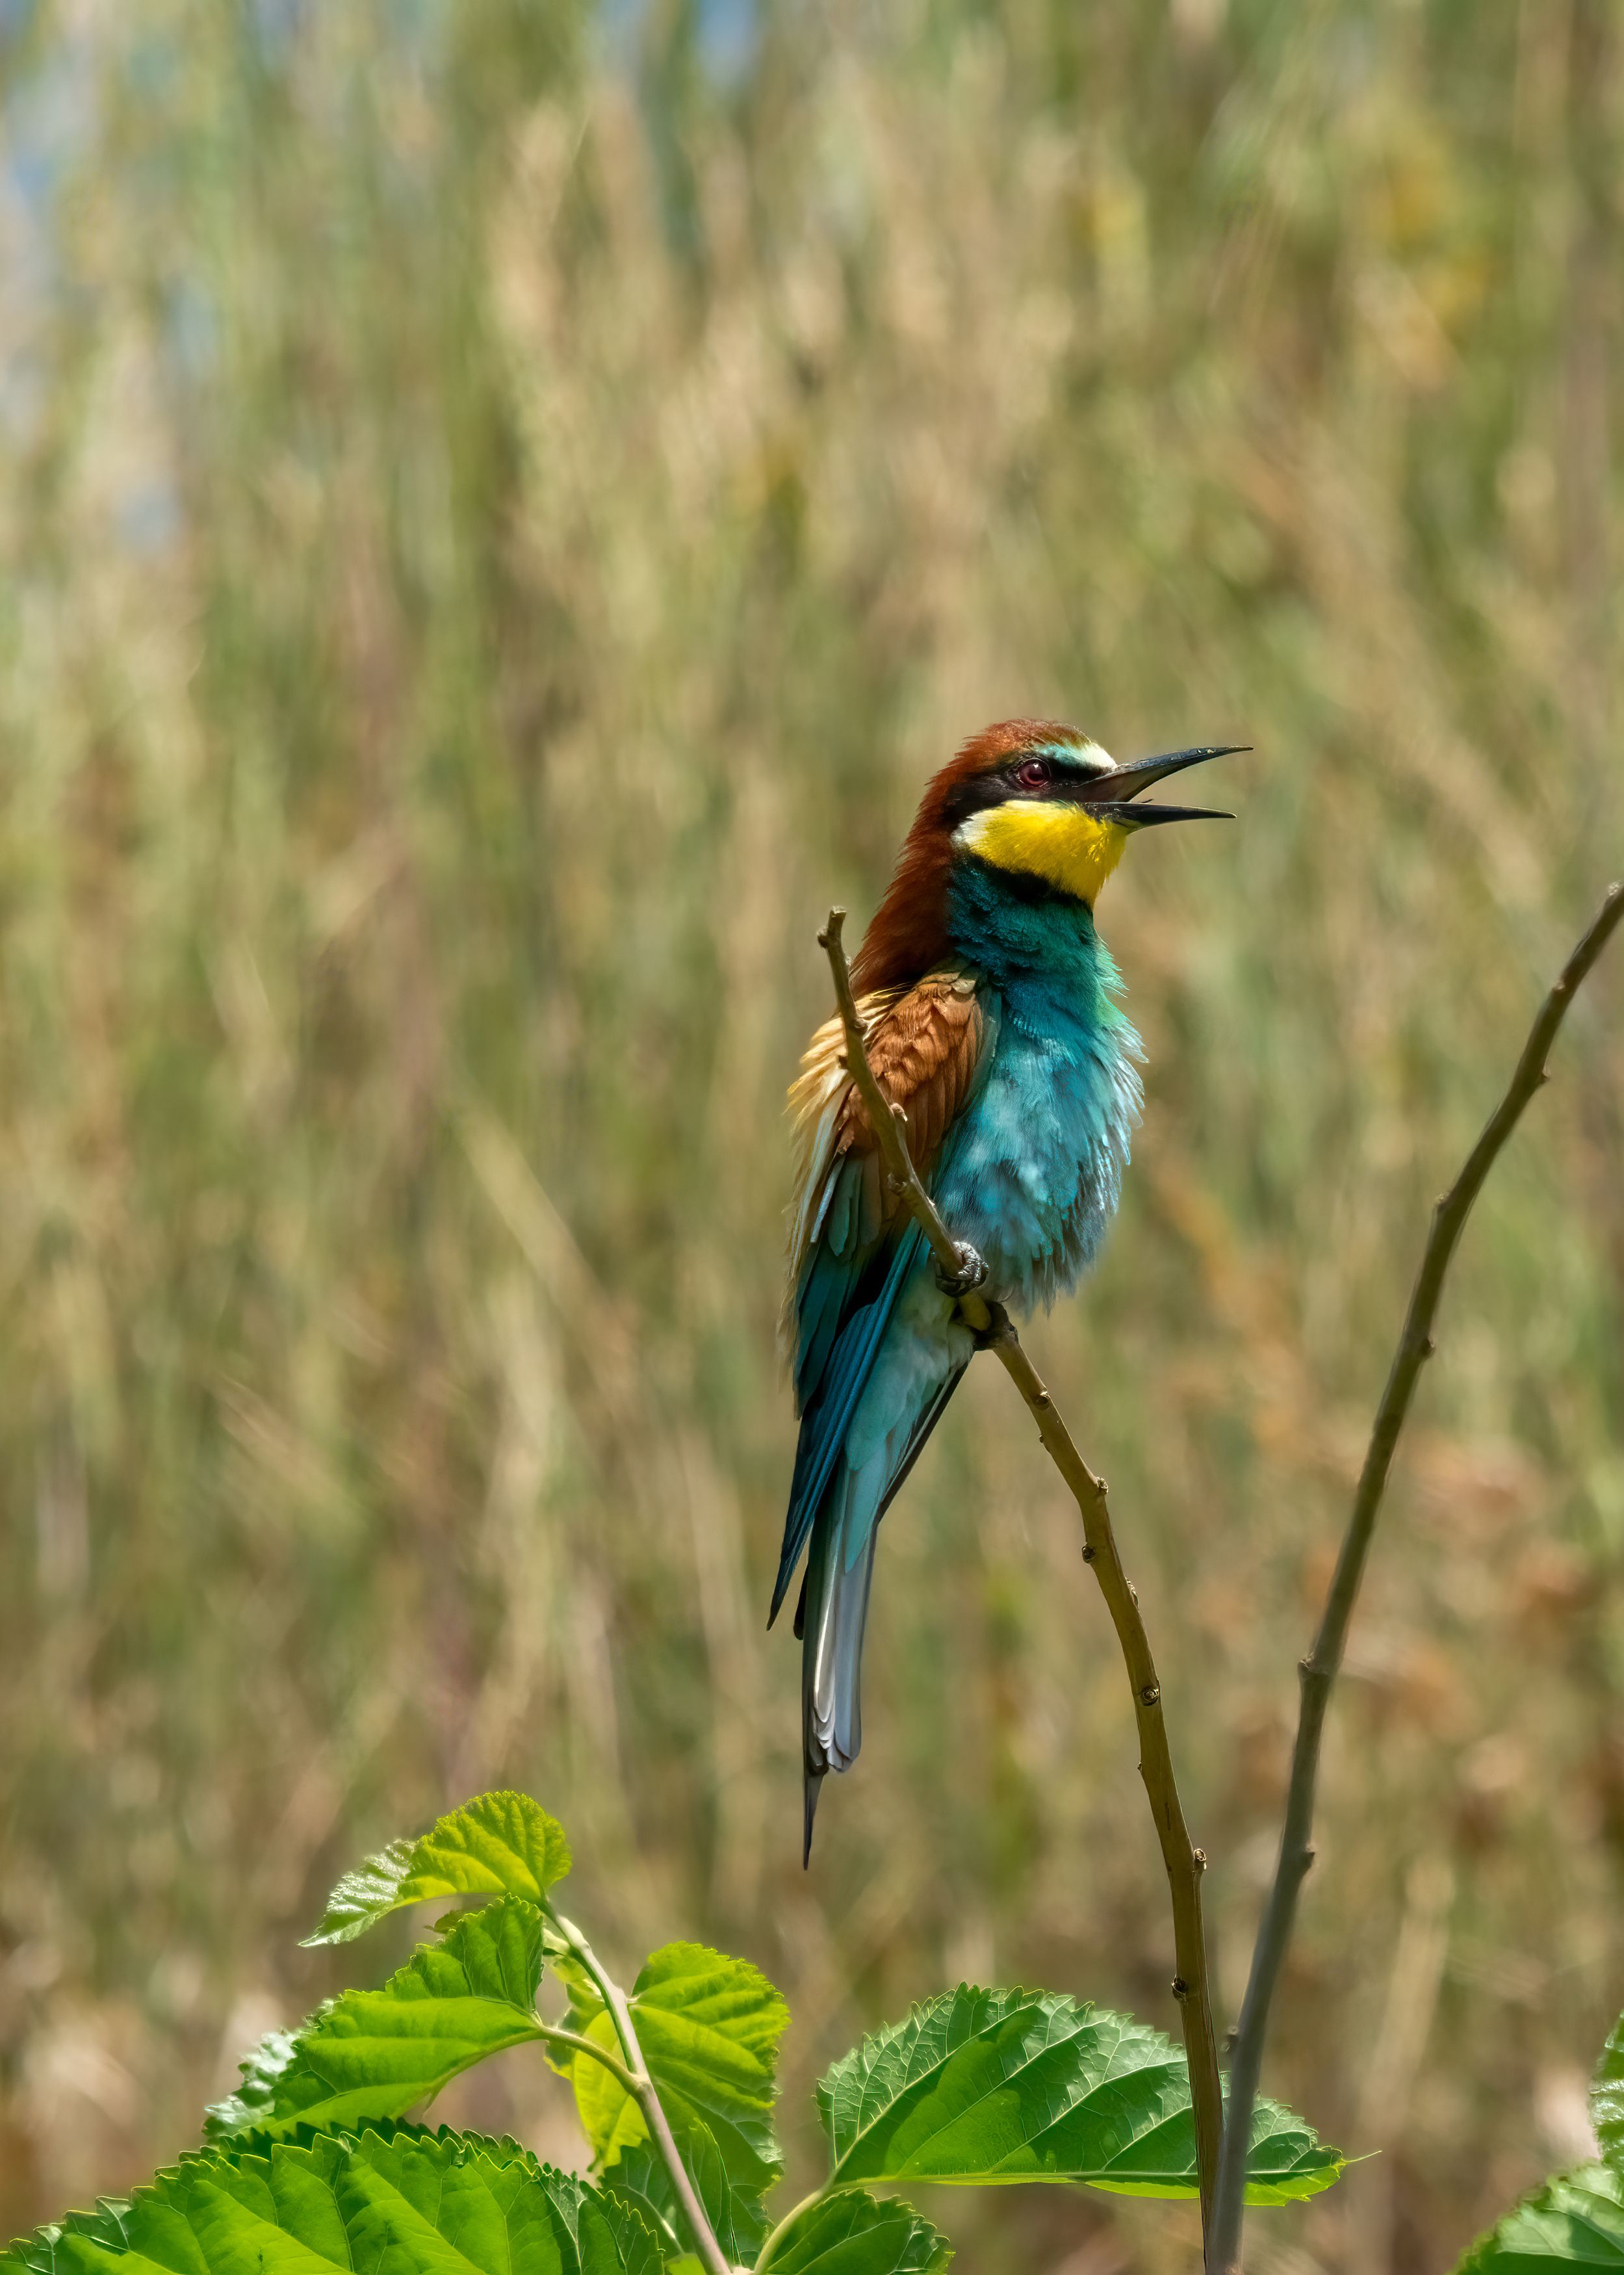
(1181, 1988)
(1151, 1693)
(1089, 1552)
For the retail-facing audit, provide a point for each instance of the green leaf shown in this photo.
(1607, 2095)
(731, 2203)
(395, 2198)
(1285, 2163)
(1575, 2220)
(989, 2086)
(378, 2053)
(854, 2234)
(709, 2027)
(732, 2206)
(502, 1844)
(638, 2173)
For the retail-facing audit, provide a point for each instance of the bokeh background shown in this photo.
(502, 504)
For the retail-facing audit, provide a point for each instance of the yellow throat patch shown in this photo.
(1058, 840)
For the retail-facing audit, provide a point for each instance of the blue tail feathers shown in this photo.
(829, 1409)
(844, 1485)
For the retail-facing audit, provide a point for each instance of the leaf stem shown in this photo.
(1182, 1862)
(581, 2044)
(639, 2084)
(777, 2234)
(1318, 1671)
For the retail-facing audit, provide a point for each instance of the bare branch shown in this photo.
(1183, 1863)
(1319, 1670)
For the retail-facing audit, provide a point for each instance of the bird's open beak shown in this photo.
(1110, 795)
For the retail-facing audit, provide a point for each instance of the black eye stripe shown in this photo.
(981, 791)
(973, 797)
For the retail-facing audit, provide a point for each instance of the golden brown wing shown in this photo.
(924, 1045)
(923, 1052)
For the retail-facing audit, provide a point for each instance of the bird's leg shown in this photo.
(971, 1274)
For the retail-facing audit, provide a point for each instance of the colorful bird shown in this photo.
(989, 1004)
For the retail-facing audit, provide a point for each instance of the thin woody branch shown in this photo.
(1184, 1863)
(1318, 1671)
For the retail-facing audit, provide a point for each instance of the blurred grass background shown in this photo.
(500, 510)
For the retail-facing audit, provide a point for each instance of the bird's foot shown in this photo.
(996, 1328)
(971, 1274)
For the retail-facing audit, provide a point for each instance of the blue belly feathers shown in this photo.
(1033, 1169)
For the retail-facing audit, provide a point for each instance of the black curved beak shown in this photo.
(1110, 794)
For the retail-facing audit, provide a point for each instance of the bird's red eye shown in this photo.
(1033, 774)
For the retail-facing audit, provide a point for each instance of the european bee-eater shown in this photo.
(989, 1004)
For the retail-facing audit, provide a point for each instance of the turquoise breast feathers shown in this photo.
(1033, 1172)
